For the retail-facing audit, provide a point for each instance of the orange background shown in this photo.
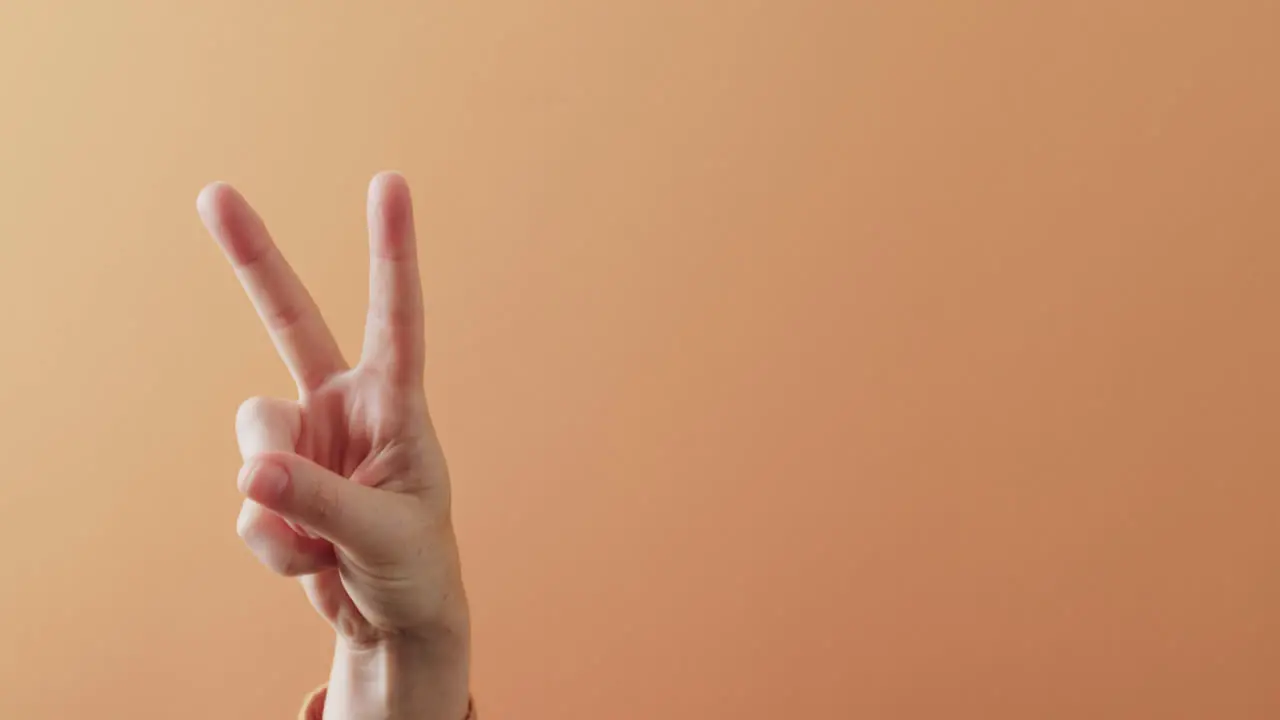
(799, 359)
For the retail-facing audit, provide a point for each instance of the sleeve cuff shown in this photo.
(313, 708)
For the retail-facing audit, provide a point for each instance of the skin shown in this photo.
(346, 487)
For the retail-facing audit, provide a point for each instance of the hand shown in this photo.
(346, 487)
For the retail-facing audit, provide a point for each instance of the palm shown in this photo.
(368, 424)
(352, 422)
(359, 427)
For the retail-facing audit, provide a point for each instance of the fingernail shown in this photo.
(266, 482)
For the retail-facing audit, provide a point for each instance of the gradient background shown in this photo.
(797, 359)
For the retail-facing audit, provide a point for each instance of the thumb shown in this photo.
(352, 516)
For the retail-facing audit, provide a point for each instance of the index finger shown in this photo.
(282, 301)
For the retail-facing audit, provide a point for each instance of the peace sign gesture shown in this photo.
(346, 486)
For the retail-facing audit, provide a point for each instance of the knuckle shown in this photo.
(324, 505)
(250, 256)
(251, 412)
(286, 564)
(284, 316)
(264, 424)
(248, 520)
(276, 560)
(274, 554)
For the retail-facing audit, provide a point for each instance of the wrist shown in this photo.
(417, 677)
